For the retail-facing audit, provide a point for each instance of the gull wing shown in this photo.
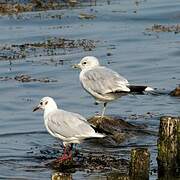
(68, 125)
(103, 80)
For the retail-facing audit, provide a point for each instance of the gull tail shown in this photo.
(97, 135)
(139, 89)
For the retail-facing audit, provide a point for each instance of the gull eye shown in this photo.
(41, 103)
(46, 102)
(84, 62)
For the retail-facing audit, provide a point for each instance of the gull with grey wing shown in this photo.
(68, 126)
(104, 84)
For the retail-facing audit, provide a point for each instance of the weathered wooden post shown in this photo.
(139, 164)
(169, 147)
(61, 176)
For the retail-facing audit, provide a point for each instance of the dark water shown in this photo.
(119, 29)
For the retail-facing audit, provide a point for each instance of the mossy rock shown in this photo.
(91, 162)
(116, 128)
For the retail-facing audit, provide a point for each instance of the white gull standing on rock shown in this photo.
(104, 84)
(69, 127)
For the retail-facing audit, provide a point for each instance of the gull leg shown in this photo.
(76, 150)
(63, 157)
(66, 155)
(70, 152)
(103, 111)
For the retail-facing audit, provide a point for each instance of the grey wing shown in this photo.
(103, 80)
(67, 124)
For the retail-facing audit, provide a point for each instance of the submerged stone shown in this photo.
(175, 92)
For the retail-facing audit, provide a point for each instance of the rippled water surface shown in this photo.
(122, 43)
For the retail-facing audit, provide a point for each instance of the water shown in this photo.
(119, 29)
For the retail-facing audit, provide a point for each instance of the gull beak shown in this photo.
(76, 66)
(36, 108)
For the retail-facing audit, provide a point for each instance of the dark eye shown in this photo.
(84, 62)
(41, 103)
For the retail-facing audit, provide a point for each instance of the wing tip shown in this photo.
(99, 135)
(149, 89)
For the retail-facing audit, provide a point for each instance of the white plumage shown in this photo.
(69, 127)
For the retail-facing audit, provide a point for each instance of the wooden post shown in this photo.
(169, 147)
(139, 164)
(61, 176)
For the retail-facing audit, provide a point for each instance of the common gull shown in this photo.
(104, 84)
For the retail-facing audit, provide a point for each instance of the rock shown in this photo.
(175, 92)
(65, 166)
(115, 127)
(23, 78)
(91, 162)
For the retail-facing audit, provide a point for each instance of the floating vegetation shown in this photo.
(16, 6)
(27, 78)
(164, 28)
(86, 16)
(39, 15)
(33, 5)
(8, 8)
(53, 46)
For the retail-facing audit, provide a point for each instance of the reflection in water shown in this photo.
(61, 176)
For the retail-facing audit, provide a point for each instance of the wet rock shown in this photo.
(90, 162)
(175, 92)
(64, 166)
(118, 129)
(23, 78)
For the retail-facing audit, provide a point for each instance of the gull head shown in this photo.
(87, 63)
(46, 103)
